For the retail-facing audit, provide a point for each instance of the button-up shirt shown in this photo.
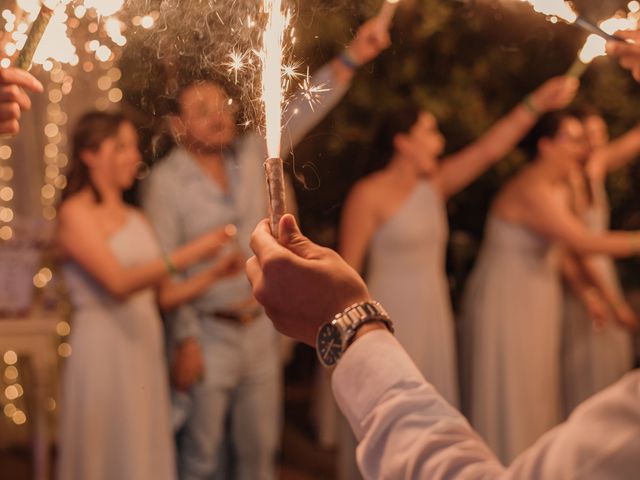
(183, 202)
(407, 430)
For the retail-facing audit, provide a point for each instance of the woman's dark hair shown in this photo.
(90, 133)
(585, 111)
(547, 127)
(395, 123)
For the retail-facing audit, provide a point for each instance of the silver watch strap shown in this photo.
(359, 314)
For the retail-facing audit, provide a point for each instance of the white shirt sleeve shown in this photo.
(407, 430)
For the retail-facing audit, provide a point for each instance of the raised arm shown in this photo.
(329, 84)
(619, 152)
(462, 168)
(549, 216)
(357, 226)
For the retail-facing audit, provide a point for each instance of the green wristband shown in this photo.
(531, 108)
(168, 263)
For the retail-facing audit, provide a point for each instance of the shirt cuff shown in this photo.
(373, 365)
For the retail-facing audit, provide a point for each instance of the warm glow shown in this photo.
(272, 89)
(10, 357)
(114, 29)
(596, 46)
(55, 43)
(559, 8)
(105, 8)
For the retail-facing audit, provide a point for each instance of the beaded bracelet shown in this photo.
(168, 263)
(348, 60)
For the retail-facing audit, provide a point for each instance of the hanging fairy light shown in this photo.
(6, 193)
(12, 392)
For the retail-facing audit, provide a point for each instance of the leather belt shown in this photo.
(243, 317)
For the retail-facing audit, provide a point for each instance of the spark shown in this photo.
(236, 64)
(311, 92)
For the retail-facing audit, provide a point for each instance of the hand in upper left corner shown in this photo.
(13, 98)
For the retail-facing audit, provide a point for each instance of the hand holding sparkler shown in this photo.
(13, 99)
(628, 53)
(35, 35)
(371, 39)
(554, 94)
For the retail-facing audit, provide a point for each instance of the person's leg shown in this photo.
(199, 448)
(256, 408)
(201, 451)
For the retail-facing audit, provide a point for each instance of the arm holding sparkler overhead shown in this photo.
(617, 153)
(462, 168)
(324, 90)
(13, 99)
(627, 52)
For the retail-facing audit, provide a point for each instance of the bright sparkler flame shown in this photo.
(559, 8)
(596, 46)
(272, 85)
(105, 8)
(55, 43)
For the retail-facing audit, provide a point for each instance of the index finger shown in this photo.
(21, 78)
(262, 241)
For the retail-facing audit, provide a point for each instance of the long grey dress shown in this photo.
(593, 360)
(511, 339)
(406, 273)
(115, 412)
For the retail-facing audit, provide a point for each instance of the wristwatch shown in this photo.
(334, 337)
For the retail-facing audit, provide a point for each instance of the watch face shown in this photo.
(329, 345)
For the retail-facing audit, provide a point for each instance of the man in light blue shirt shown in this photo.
(215, 178)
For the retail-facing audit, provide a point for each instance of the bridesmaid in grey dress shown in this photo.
(511, 322)
(116, 420)
(597, 354)
(397, 218)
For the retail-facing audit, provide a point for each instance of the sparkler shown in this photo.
(273, 97)
(388, 11)
(596, 46)
(562, 10)
(35, 35)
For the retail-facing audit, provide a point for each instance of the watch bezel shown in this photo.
(346, 324)
(338, 332)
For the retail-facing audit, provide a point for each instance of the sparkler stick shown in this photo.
(596, 46)
(577, 69)
(560, 9)
(272, 95)
(591, 28)
(35, 36)
(388, 11)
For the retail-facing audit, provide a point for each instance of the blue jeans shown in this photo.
(242, 382)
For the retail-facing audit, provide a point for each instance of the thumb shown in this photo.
(292, 238)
